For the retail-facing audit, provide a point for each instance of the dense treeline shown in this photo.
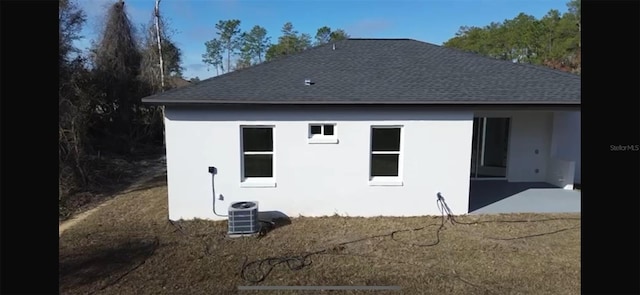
(553, 40)
(100, 114)
(253, 47)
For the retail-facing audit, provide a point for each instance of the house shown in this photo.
(177, 82)
(367, 127)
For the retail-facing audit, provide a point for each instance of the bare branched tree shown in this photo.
(159, 69)
(157, 19)
(117, 64)
(151, 74)
(71, 18)
(74, 105)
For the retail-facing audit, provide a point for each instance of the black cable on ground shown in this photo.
(257, 271)
(443, 220)
(265, 266)
(534, 235)
(444, 208)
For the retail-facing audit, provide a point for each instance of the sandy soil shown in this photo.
(150, 170)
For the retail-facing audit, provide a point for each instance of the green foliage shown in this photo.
(228, 35)
(254, 45)
(213, 54)
(275, 51)
(290, 42)
(325, 35)
(242, 63)
(553, 40)
(575, 8)
(339, 34)
(173, 58)
(303, 42)
(229, 40)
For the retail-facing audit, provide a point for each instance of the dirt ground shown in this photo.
(134, 174)
(129, 247)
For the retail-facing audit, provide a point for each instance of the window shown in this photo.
(322, 133)
(257, 154)
(385, 154)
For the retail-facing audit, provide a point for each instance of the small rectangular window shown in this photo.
(322, 133)
(385, 152)
(316, 129)
(328, 130)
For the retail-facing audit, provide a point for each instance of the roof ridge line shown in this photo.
(532, 66)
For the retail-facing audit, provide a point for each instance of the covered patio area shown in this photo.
(501, 196)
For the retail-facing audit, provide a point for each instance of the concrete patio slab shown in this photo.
(500, 196)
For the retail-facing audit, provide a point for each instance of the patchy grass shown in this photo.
(111, 175)
(129, 247)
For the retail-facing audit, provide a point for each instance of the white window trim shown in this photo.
(258, 181)
(321, 138)
(387, 180)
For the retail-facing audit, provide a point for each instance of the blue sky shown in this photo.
(433, 21)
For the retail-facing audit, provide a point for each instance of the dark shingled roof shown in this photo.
(177, 82)
(382, 71)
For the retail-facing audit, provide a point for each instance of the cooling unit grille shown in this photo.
(243, 218)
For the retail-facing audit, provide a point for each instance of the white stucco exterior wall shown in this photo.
(529, 132)
(565, 141)
(318, 179)
(529, 149)
(561, 173)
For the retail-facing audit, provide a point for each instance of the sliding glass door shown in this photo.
(489, 147)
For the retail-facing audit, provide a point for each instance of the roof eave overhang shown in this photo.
(462, 104)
